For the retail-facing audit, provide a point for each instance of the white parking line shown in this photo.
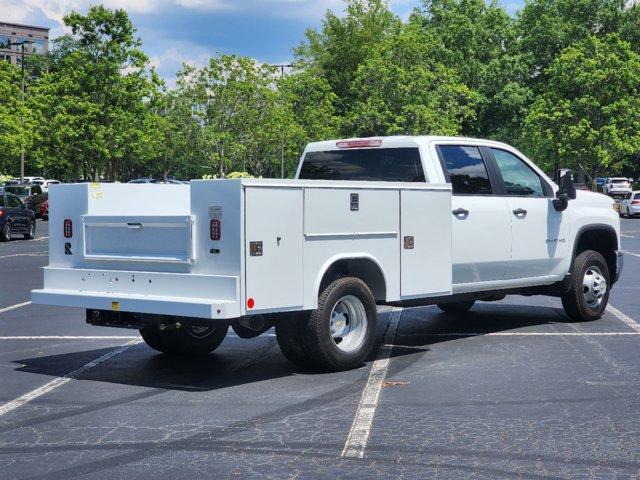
(522, 334)
(361, 428)
(58, 382)
(627, 252)
(69, 337)
(626, 319)
(626, 236)
(35, 254)
(13, 307)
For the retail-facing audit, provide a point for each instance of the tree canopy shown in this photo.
(560, 79)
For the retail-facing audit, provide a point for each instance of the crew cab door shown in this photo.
(539, 233)
(481, 230)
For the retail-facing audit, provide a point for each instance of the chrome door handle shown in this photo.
(460, 212)
(520, 212)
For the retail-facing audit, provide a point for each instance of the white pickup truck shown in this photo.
(401, 221)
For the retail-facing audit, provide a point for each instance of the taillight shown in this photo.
(1, 212)
(635, 202)
(68, 228)
(214, 229)
(360, 143)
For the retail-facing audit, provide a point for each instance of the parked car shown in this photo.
(44, 210)
(617, 187)
(39, 180)
(630, 206)
(31, 194)
(315, 255)
(15, 218)
(48, 183)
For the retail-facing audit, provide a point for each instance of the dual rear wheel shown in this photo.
(338, 335)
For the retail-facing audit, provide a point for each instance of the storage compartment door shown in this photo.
(273, 250)
(425, 243)
(161, 239)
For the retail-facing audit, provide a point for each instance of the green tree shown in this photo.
(92, 105)
(589, 116)
(15, 124)
(402, 88)
(344, 43)
(234, 102)
(309, 102)
(478, 40)
(546, 27)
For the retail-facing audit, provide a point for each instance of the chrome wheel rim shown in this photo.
(7, 231)
(348, 323)
(594, 287)
(199, 331)
(32, 230)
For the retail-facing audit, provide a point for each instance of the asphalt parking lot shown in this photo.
(510, 390)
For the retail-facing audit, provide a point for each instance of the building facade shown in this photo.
(15, 33)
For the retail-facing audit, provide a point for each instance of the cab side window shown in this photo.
(519, 180)
(466, 169)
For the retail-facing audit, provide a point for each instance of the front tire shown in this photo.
(341, 332)
(187, 341)
(589, 291)
(32, 231)
(5, 234)
(458, 307)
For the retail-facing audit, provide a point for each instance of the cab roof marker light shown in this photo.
(366, 142)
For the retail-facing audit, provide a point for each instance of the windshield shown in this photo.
(20, 191)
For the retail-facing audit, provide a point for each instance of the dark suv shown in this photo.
(31, 194)
(15, 218)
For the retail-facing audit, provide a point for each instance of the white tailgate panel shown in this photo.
(425, 268)
(274, 217)
(138, 238)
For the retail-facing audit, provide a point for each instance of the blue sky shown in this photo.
(177, 31)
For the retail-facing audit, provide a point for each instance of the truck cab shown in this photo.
(399, 221)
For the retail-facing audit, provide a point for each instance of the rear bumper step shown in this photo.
(188, 307)
(189, 295)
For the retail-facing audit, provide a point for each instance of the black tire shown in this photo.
(457, 307)
(5, 233)
(186, 341)
(289, 340)
(32, 231)
(319, 346)
(575, 302)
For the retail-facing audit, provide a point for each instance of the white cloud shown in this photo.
(170, 61)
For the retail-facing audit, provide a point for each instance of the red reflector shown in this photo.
(635, 202)
(251, 303)
(366, 142)
(214, 229)
(68, 228)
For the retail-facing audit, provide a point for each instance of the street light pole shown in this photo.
(22, 44)
(282, 67)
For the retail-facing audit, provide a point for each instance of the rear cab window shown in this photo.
(372, 164)
(2, 204)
